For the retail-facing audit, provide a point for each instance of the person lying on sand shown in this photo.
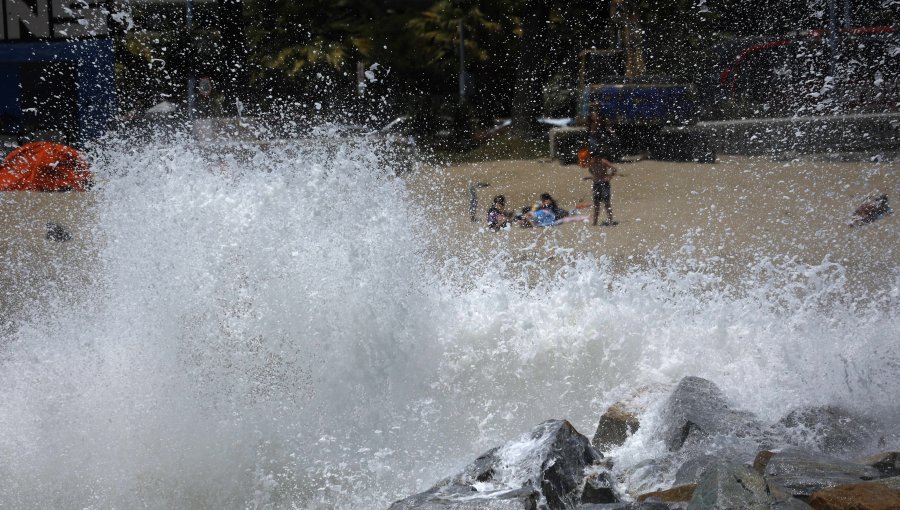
(547, 214)
(549, 204)
(872, 209)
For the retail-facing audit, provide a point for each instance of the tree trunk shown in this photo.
(531, 73)
(233, 70)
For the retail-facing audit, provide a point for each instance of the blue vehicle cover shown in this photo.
(640, 104)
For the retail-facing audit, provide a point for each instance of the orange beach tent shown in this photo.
(44, 166)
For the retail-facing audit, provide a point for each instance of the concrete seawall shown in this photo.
(770, 136)
(804, 134)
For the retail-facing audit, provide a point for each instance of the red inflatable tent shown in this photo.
(44, 166)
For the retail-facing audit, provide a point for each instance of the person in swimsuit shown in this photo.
(602, 171)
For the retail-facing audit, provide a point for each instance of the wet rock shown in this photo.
(682, 493)
(691, 471)
(785, 501)
(887, 463)
(482, 468)
(733, 486)
(615, 426)
(696, 410)
(833, 429)
(599, 487)
(57, 232)
(563, 466)
(762, 460)
(803, 473)
(637, 505)
(858, 496)
(521, 499)
(891, 483)
(648, 474)
(553, 466)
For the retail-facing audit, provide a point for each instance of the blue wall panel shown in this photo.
(10, 93)
(95, 62)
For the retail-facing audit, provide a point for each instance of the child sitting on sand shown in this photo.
(498, 216)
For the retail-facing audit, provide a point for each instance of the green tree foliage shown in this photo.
(678, 34)
(489, 32)
(291, 36)
(438, 30)
(307, 50)
(521, 56)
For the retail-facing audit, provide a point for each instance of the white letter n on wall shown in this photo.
(30, 15)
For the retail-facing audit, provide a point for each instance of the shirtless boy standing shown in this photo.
(602, 172)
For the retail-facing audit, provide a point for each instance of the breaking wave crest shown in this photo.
(263, 327)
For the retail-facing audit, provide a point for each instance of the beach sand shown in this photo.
(731, 214)
(33, 265)
(726, 217)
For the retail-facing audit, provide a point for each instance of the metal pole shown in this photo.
(192, 73)
(462, 62)
(848, 13)
(473, 198)
(832, 35)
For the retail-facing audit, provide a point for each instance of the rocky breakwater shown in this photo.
(716, 457)
(551, 467)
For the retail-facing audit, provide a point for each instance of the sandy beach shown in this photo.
(34, 264)
(725, 216)
(731, 213)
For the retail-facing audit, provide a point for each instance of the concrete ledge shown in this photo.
(805, 134)
(560, 133)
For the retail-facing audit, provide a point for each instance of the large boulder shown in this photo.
(692, 470)
(832, 429)
(857, 496)
(453, 499)
(887, 463)
(697, 410)
(634, 505)
(892, 482)
(598, 486)
(802, 473)
(679, 493)
(762, 460)
(737, 487)
(553, 466)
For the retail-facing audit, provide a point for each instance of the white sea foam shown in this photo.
(264, 329)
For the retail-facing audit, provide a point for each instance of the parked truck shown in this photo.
(652, 115)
